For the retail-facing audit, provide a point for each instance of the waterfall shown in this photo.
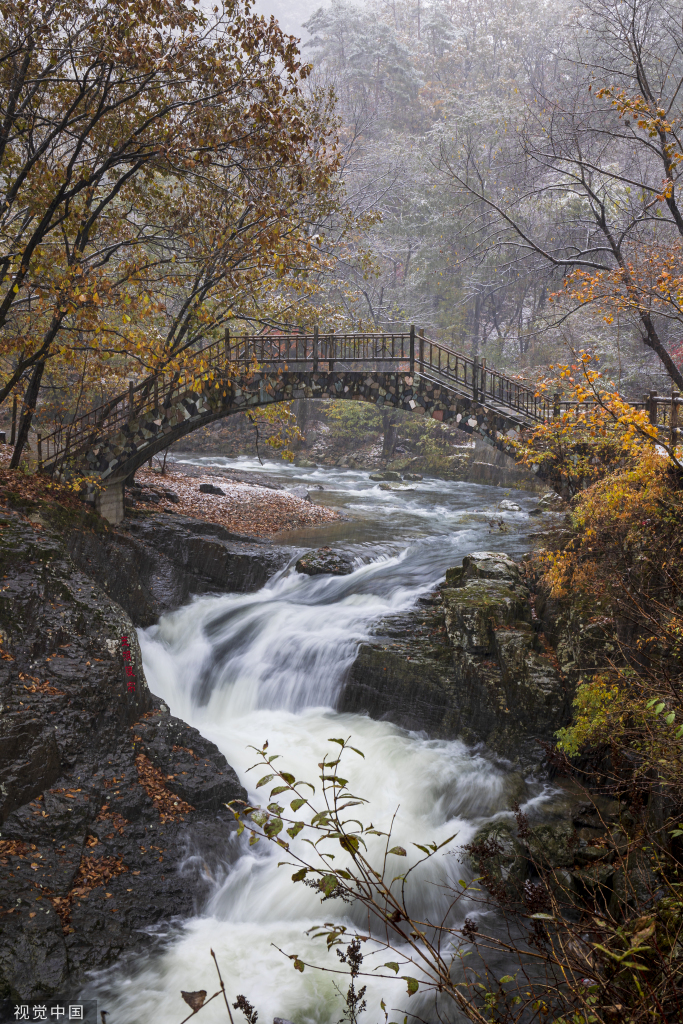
(268, 666)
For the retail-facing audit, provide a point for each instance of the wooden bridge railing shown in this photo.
(408, 352)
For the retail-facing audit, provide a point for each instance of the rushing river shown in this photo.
(269, 665)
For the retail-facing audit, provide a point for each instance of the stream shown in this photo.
(268, 666)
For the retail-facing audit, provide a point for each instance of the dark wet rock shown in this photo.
(324, 562)
(29, 761)
(144, 494)
(200, 773)
(574, 846)
(470, 665)
(211, 489)
(89, 856)
(152, 563)
(496, 853)
(412, 476)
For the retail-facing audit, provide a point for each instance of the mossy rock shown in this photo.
(497, 852)
(387, 474)
(553, 845)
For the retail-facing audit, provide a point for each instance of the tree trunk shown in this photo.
(30, 400)
(390, 436)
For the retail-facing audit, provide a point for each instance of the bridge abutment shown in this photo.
(109, 502)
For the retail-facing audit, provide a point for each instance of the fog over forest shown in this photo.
(523, 158)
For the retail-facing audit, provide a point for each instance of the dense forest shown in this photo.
(523, 158)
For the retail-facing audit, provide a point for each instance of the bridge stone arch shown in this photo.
(115, 458)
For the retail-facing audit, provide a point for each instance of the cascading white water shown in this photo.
(246, 668)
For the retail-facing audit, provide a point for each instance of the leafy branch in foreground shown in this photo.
(557, 972)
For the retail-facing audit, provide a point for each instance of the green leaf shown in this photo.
(336, 780)
(412, 983)
(399, 851)
(423, 848)
(357, 751)
(275, 808)
(279, 789)
(296, 804)
(341, 743)
(260, 817)
(273, 827)
(349, 843)
(328, 883)
(505, 979)
(287, 777)
(670, 717)
(264, 780)
(393, 966)
(298, 965)
(299, 875)
(660, 708)
(253, 839)
(240, 828)
(294, 829)
(542, 917)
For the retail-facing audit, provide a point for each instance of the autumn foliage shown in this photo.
(162, 175)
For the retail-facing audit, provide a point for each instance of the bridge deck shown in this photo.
(274, 355)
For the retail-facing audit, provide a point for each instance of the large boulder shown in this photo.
(104, 795)
(468, 663)
(324, 562)
(498, 857)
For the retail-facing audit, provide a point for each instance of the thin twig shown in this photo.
(222, 987)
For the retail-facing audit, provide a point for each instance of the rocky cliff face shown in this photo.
(153, 562)
(111, 812)
(472, 663)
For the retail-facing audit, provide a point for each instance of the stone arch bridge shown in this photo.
(400, 371)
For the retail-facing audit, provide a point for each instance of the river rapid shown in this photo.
(244, 669)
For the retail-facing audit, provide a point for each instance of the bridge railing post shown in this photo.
(315, 349)
(421, 339)
(130, 397)
(556, 405)
(412, 351)
(653, 408)
(673, 426)
(13, 436)
(475, 379)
